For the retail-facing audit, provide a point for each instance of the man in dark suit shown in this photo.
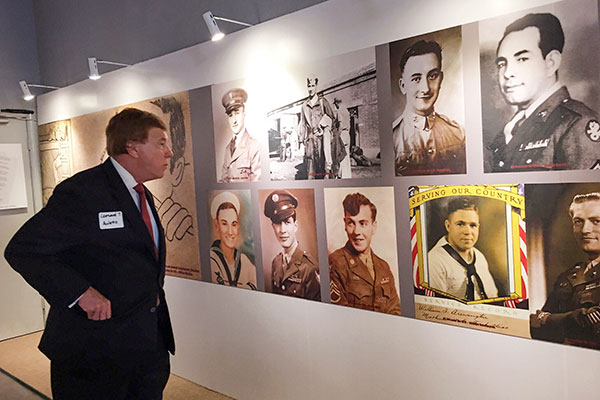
(96, 253)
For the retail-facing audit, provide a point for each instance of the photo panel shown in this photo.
(361, 243)
(468, 247)
(232, 260)
(540, 89)
(289, 242)
(70, 146)
(563, 226)
(428, 107)
(322, 120)
(237, 129)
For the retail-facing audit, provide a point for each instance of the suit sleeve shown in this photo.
(255, 163)
(36, 251)
(580, 146)
(313, 286)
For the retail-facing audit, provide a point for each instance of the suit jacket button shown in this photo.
(153, 309)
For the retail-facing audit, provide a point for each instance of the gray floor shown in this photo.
(13, 390)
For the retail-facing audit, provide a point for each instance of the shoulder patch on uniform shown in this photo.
(592, 130)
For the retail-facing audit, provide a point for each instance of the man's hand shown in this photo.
(95, 305)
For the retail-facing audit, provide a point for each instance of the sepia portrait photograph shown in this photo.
(323, 120)
(428, 104)
(70, 146)
(563, 226)
(237, 133)
(361, 243)
(469, 246)
(540, 90)
(289, 242)
(232, 261)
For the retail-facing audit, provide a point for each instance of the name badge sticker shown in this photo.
(110, 220)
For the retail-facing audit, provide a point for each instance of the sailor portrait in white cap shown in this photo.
(228, 265)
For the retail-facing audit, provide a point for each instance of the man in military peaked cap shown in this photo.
(293, 272)
(550, 130)
(242, 155)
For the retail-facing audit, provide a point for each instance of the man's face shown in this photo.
(463, 229)
(311, 86)
(236, 119)
(228, 227)
(421, 82)
(360, 228)
(523, 73)
(586, 226)
(153, 155)
(285, 232)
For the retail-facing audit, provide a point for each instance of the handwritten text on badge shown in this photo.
(110, 219)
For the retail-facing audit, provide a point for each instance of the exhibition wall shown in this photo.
(21, 306)
(252, 344)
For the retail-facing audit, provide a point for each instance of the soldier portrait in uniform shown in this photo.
(288, 231)
(426, 78)
(232, 248)
(362, 248)
(323, 120)
(565, 219)
(539, 84)
(456, 266)
(237, 151)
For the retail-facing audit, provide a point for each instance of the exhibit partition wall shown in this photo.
(407, 192)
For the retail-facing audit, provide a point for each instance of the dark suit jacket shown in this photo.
(61, 251)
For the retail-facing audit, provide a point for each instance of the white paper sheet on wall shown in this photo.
(13, 193)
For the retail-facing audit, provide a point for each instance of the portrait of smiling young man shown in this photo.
(548, 129)
(358, 277)
(425, 141)
(456, 267)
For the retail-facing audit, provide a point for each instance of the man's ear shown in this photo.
(447, 225)
(131, 148)
(401, 86)
(552, 60)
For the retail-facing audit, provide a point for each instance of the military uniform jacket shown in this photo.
(351, 283)
(442, 153)
(561, 133)
(241, 274)
(300, 278)
(244, 163)
(573, 290)
(62, 250)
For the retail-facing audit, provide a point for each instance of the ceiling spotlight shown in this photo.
(27, 93)
(93, 67)
(213, 28)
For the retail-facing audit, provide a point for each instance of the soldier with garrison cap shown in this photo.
(549, 130)
(242, 154)
(571, 314)
(293, 271)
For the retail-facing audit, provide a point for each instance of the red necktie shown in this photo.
(144, 209)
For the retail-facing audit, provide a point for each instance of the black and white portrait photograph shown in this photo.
(428, 104)
(237, 132)
(323, 121)
(563, 224)
(540, 88)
